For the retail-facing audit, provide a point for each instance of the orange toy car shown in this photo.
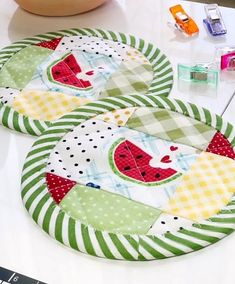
(183, 21)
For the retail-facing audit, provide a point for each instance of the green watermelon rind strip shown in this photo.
(50, 76)
(118, 173)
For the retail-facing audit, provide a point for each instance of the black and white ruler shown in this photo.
(8, 276)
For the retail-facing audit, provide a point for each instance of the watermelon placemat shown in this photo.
(46, 76)
(133, 177)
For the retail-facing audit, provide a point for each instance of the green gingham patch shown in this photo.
(172, 126)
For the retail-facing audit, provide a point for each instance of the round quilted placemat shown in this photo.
(44, 77)
(133, 177)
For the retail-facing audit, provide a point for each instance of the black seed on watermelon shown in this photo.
(127, 168)
(143, 174)
(157, 175)
(139, 157)
(122, 156)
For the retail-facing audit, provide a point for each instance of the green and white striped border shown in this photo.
(161, 84)
(71, 232)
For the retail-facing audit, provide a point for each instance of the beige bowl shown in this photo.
(59, 7)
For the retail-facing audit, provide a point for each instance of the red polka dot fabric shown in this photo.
(58, 186)
(220, 145)
(51, 44)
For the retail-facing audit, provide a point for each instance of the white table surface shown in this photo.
(24, 247)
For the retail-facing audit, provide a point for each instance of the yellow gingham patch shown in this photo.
(135, 55)
(205, 189)
(44, 105)
(117, 117)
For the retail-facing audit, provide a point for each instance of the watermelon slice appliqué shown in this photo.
(65, 71)
(131, 163)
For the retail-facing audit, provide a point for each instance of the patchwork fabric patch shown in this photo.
(51, 44)
(113, 191)
(7, 95)
(44, 105)
(118, 117)
(58, 186)
(19, 70)
(220, 145)
(85, 63)
(172, 126)
(167, 223)
(205, 189)
(131, 78)
(108, 212)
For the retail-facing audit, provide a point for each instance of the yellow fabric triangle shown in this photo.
(205, 189)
